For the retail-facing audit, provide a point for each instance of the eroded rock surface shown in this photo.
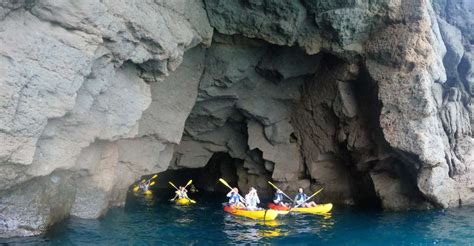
(371, 100)
(77, 79)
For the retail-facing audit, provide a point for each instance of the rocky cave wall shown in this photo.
(246, 96)
(370, 100)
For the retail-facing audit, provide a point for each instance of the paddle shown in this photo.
(154, 176)
(228, 186)
(189, 182)
(307, 199)
(225, 183)
(144, 181)
(136, 188)
(274, 186)
(174, 186)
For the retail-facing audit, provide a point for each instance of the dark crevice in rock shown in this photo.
(104, 92)
(204, 179)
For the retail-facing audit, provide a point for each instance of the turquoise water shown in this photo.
(152, 222)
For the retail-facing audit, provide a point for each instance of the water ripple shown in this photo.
(151, 222)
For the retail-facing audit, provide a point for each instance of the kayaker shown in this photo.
(300, 199)
(181, 193)
(235, 200)
(144, 186)
(251, 199)
(278, 198)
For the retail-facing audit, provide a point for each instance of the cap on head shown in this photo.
(300, 189)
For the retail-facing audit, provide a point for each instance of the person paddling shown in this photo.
(235, 200)
(300, 199)
(251, 199)
(278, 199)
(181, 193)
(144, 186)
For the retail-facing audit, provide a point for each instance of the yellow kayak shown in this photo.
(182, 201)
(319, 209)
(268, 214)
(148, 193)
(136, 188)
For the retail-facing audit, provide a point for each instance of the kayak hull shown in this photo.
(319, 209)
(182, 201)
(268, 214)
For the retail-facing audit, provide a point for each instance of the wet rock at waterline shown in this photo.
(372, 101)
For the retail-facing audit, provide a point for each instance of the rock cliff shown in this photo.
(372, 100)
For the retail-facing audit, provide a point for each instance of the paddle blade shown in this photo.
(225, 183)
(189, 182)
(192, 201)
(143, 181)
(136, 189)
(274, 186)
(174, 186)
(154, 176)
(152, 183)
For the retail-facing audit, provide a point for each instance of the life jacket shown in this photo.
(300, 198)
(234, 198)
(278, 197)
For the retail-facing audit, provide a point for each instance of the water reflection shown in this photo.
(327, 221)
(145, 200)
(158, 222)
(247, 230)
(273, 233)
(242, 229)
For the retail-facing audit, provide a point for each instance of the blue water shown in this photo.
(152, 222)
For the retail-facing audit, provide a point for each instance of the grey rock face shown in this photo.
(77, 73)
(458, 13)
(37, 204)
(245, 112)
(278, 26)
(400, 58)
(372, 100)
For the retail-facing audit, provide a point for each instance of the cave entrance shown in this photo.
(205, 179)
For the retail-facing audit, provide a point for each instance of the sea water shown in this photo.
(150, 221)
